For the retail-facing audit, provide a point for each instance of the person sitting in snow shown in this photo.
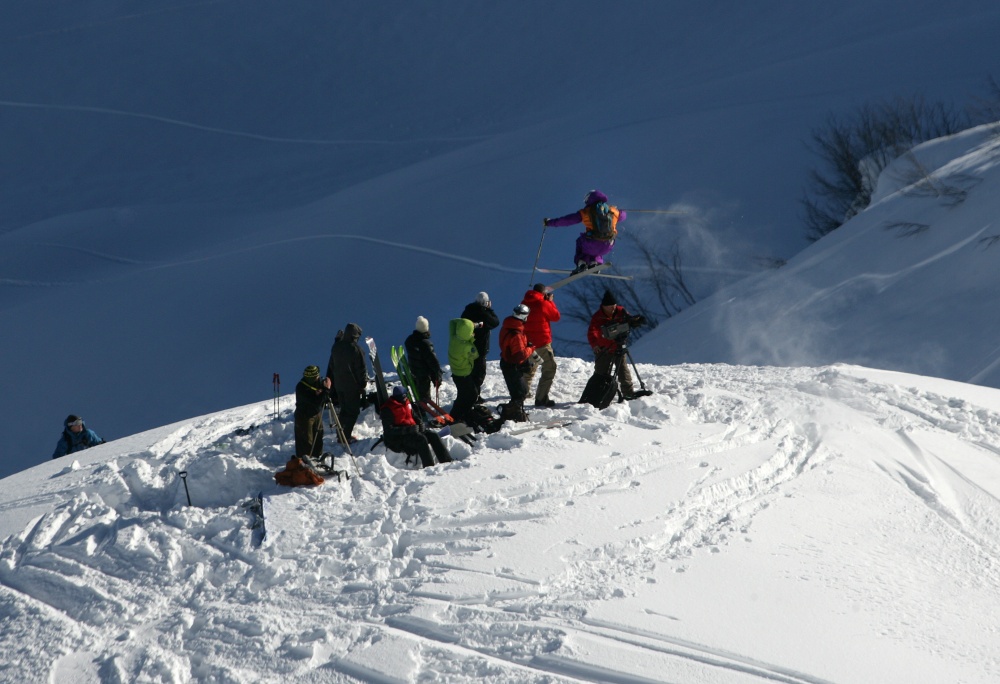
(538, 329)
(515, 362)
(311, 395)
(609, 352)
(424, 364)
(601, 222)
(404, 435)
(76, 436)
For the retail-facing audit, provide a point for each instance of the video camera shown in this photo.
(619, 332)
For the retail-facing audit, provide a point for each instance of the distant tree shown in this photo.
(659, 293)
(855, 150)
(987, 109)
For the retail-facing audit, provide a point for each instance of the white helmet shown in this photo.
(521, 312)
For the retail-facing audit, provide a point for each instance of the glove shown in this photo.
(545, 222)
(637, 321)
(534, 359)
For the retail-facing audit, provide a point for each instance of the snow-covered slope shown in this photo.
(742, 525)
(909, 284)
(197, 195)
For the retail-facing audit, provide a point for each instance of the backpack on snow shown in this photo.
(600, 391)
(296, 474)
(483, 420)
(603, 222)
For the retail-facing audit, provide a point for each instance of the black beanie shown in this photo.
(609, 299)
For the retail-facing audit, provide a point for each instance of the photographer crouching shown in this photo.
(608, 337)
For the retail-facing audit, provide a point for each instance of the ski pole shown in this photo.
(277, 383)
(537, 256)
(184, 478)
(655, 211)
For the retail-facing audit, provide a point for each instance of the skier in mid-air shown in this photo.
(601, 222)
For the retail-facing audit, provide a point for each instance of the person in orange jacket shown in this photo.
(515, 360)
(542, 312)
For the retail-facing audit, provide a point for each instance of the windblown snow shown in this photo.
(743, 524)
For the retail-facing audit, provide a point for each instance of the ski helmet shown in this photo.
(521, 312)
(594, 197)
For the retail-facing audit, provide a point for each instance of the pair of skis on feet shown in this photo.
(595, 270)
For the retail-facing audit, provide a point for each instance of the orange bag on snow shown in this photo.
(296, 474)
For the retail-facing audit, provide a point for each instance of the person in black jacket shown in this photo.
(311, 394)
(424, 364)
(350, 377)
(481, 313)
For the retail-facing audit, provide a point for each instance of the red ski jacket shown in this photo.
(594, 336)
(514, 347)
(543, 312)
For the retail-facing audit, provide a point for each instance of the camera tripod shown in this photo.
(621, 353)
(338, 430)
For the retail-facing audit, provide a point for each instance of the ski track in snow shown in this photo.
(82, 109)
(152, 265)
(363, 573)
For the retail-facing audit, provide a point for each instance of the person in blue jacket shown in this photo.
(76, 436)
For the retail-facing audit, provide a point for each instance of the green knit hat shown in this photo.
(311, 373)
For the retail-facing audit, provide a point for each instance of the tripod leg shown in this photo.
(341, 437)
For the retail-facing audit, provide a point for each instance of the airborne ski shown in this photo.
(597, 270)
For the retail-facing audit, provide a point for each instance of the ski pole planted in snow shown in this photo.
(184, 478)
(277, 384)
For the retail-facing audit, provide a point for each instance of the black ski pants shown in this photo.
(309, 434)
(426, 445)
(467, 394)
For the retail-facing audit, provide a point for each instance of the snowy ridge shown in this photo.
(590, 552)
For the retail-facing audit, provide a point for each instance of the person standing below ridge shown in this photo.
(538, 329)
(601, 222)
(481, 313)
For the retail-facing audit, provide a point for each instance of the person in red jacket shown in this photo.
(611, 352)
(515, 360)
(404, 435)
(542, 312)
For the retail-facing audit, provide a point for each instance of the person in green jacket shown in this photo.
(462, 353)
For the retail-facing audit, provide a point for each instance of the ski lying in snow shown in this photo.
(597, 270)
(545, 425)
(255, 507)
